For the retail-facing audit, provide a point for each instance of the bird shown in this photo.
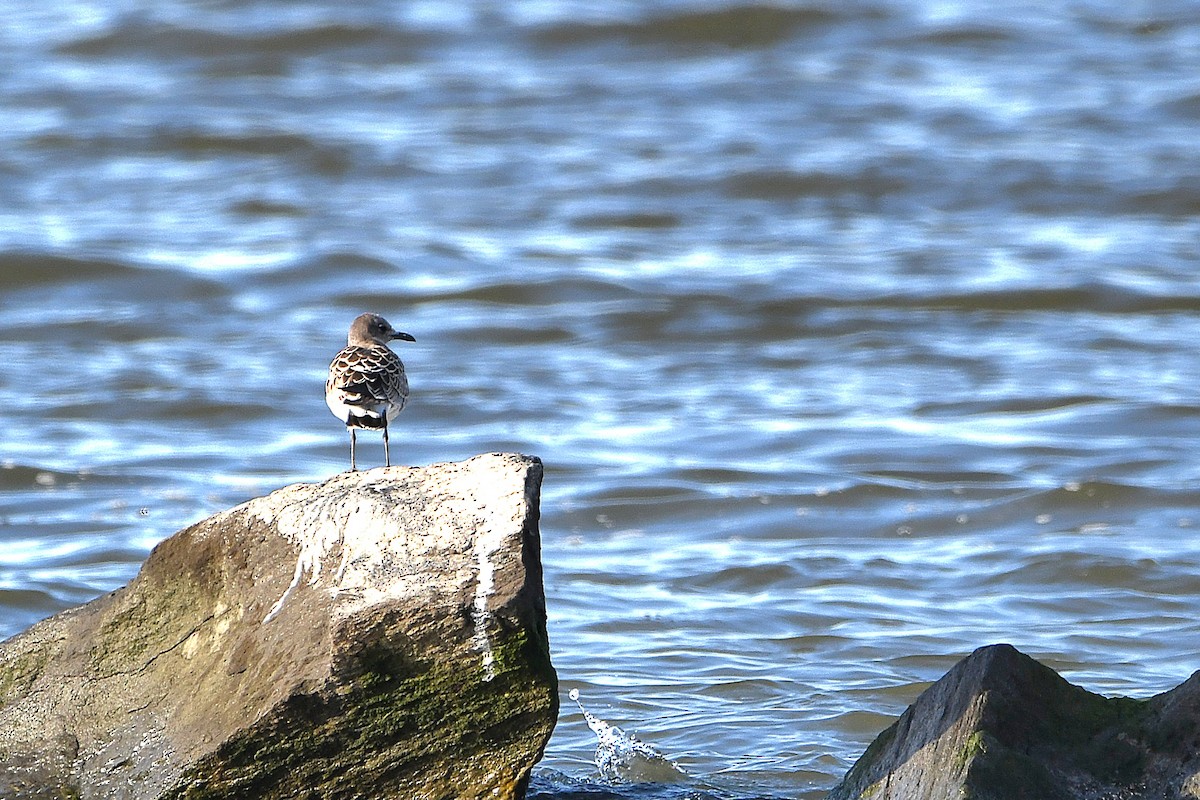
(367, 386)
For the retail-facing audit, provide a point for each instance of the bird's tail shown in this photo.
(373, 422)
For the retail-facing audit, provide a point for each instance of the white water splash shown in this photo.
(623, 758)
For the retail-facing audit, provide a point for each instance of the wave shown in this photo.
(871, 182)
(20, 269)
(145, 38)
(1009, 405)
(1085, 296)
(94, 276)
(979, 183)
(974, 37)
(1186, 107)
(16, 477)
(19, 608)
(654, 220)
(744, 26)
(191, 140)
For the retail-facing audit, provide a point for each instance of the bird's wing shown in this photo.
(367, 376)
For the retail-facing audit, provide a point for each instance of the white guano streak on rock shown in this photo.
(317, 524)
(307, 524)
(486, 545)
(499, 508)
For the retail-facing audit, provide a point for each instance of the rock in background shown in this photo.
(1001, 726)
(381, 634)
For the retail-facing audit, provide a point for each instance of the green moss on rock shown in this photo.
(393, 728)
(18, 673)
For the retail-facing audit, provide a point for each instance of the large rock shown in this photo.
(378, 635)
(1001, 726)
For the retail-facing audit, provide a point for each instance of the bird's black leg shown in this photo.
(353, 468)
(387, 456)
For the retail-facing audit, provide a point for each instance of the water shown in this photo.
(853, 336)
(623, 758)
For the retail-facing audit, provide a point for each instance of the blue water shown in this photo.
(853, 336)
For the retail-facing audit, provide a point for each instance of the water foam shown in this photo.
(623, 758)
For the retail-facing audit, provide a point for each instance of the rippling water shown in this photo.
(853, 336)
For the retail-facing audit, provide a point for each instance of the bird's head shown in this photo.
(373, 329)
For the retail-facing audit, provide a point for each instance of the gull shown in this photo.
(367, 386)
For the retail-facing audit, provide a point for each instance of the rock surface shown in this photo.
(1001, 726)
(381, 634)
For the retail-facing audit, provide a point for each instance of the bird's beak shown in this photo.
(405, 336)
